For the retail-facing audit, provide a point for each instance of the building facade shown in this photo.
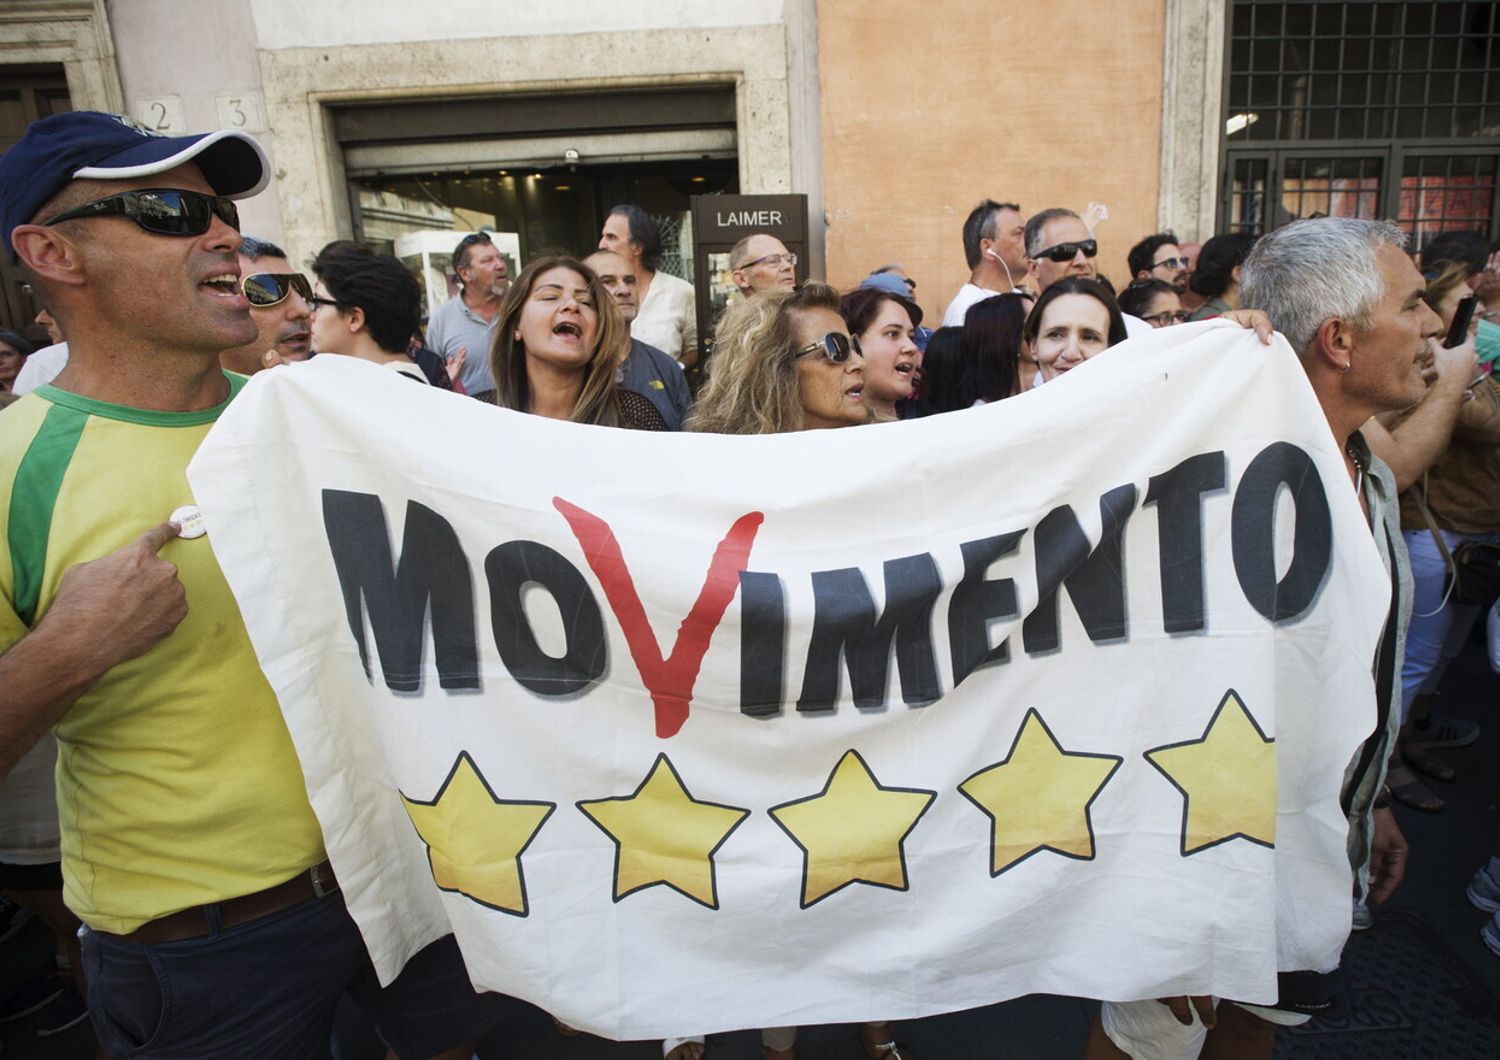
(389, 121)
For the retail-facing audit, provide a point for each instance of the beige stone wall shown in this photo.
(929, 108)
(299, 82)
(75, 33)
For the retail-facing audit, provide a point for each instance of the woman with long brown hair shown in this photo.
(558, 347)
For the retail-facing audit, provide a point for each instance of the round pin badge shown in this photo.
(191, 520)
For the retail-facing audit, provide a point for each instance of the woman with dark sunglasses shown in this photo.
(1154, 301)
(782, 361)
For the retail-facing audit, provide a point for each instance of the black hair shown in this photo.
(378, 284)
(861, 306)
(644, 233)
(18, 342)
(980, 224)
(255, 248)
(1217, 262)
(1076, 285)
(1139, 294)
(992, 348)
(943, 371)
(1140, 257)
(1469, 248)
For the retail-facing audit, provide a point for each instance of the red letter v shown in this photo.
(670, 681)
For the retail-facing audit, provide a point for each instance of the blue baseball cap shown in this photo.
(91, 145)
(891, 284)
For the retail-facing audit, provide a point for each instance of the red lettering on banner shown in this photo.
(670, 681)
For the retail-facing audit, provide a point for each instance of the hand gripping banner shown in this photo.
(686, 733)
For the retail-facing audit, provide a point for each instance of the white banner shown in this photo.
(686, 733)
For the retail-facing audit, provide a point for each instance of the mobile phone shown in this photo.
(1459, 330)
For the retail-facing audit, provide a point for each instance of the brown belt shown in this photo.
(195, 923)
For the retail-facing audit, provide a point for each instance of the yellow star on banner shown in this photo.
(1038, 797)
(664, 835)
(475, 839)
(853, 831)
(1227, 779)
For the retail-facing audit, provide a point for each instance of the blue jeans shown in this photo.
(269, 988)
(1438, 629)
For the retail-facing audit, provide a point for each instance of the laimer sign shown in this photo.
(1054, 695)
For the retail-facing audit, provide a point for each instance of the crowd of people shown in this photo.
(183, 854)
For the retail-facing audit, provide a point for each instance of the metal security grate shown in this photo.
(1364, 71)
(1331, 187)
(1375, 109)
(1443, 194)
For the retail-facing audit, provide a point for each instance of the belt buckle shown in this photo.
(319, 889)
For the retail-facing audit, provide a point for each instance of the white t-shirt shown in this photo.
(967, 295)
(28, 808)
(668, 318)
(43, 366)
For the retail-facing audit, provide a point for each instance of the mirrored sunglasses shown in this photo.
(835, 346)
(1068, 251)
(272, 288)
(160, 211)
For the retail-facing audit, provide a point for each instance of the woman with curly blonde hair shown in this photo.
(558, 347)
(782, 361)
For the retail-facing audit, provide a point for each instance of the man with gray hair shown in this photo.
(1059, 244)
(462, 328)
(1349, 301)
(761, 262)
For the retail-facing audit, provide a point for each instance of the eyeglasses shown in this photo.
(1167, 318)
(835, 346)
(160, 211)
(316, 302)
(265, 289)
(1068, 251)
(773, 260)
(1169, 263)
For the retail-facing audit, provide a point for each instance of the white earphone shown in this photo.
(1008, 277)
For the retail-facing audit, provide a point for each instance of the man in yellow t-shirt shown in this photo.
(190, 851)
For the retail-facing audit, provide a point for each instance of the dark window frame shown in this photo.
(1393, 152)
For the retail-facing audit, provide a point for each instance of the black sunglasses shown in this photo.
(835, 346)
(160, 211)
(315, 303)
(1068, 251)
(272, 288)
(1169, 263)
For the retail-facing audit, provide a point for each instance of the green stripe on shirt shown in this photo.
(34, 496)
